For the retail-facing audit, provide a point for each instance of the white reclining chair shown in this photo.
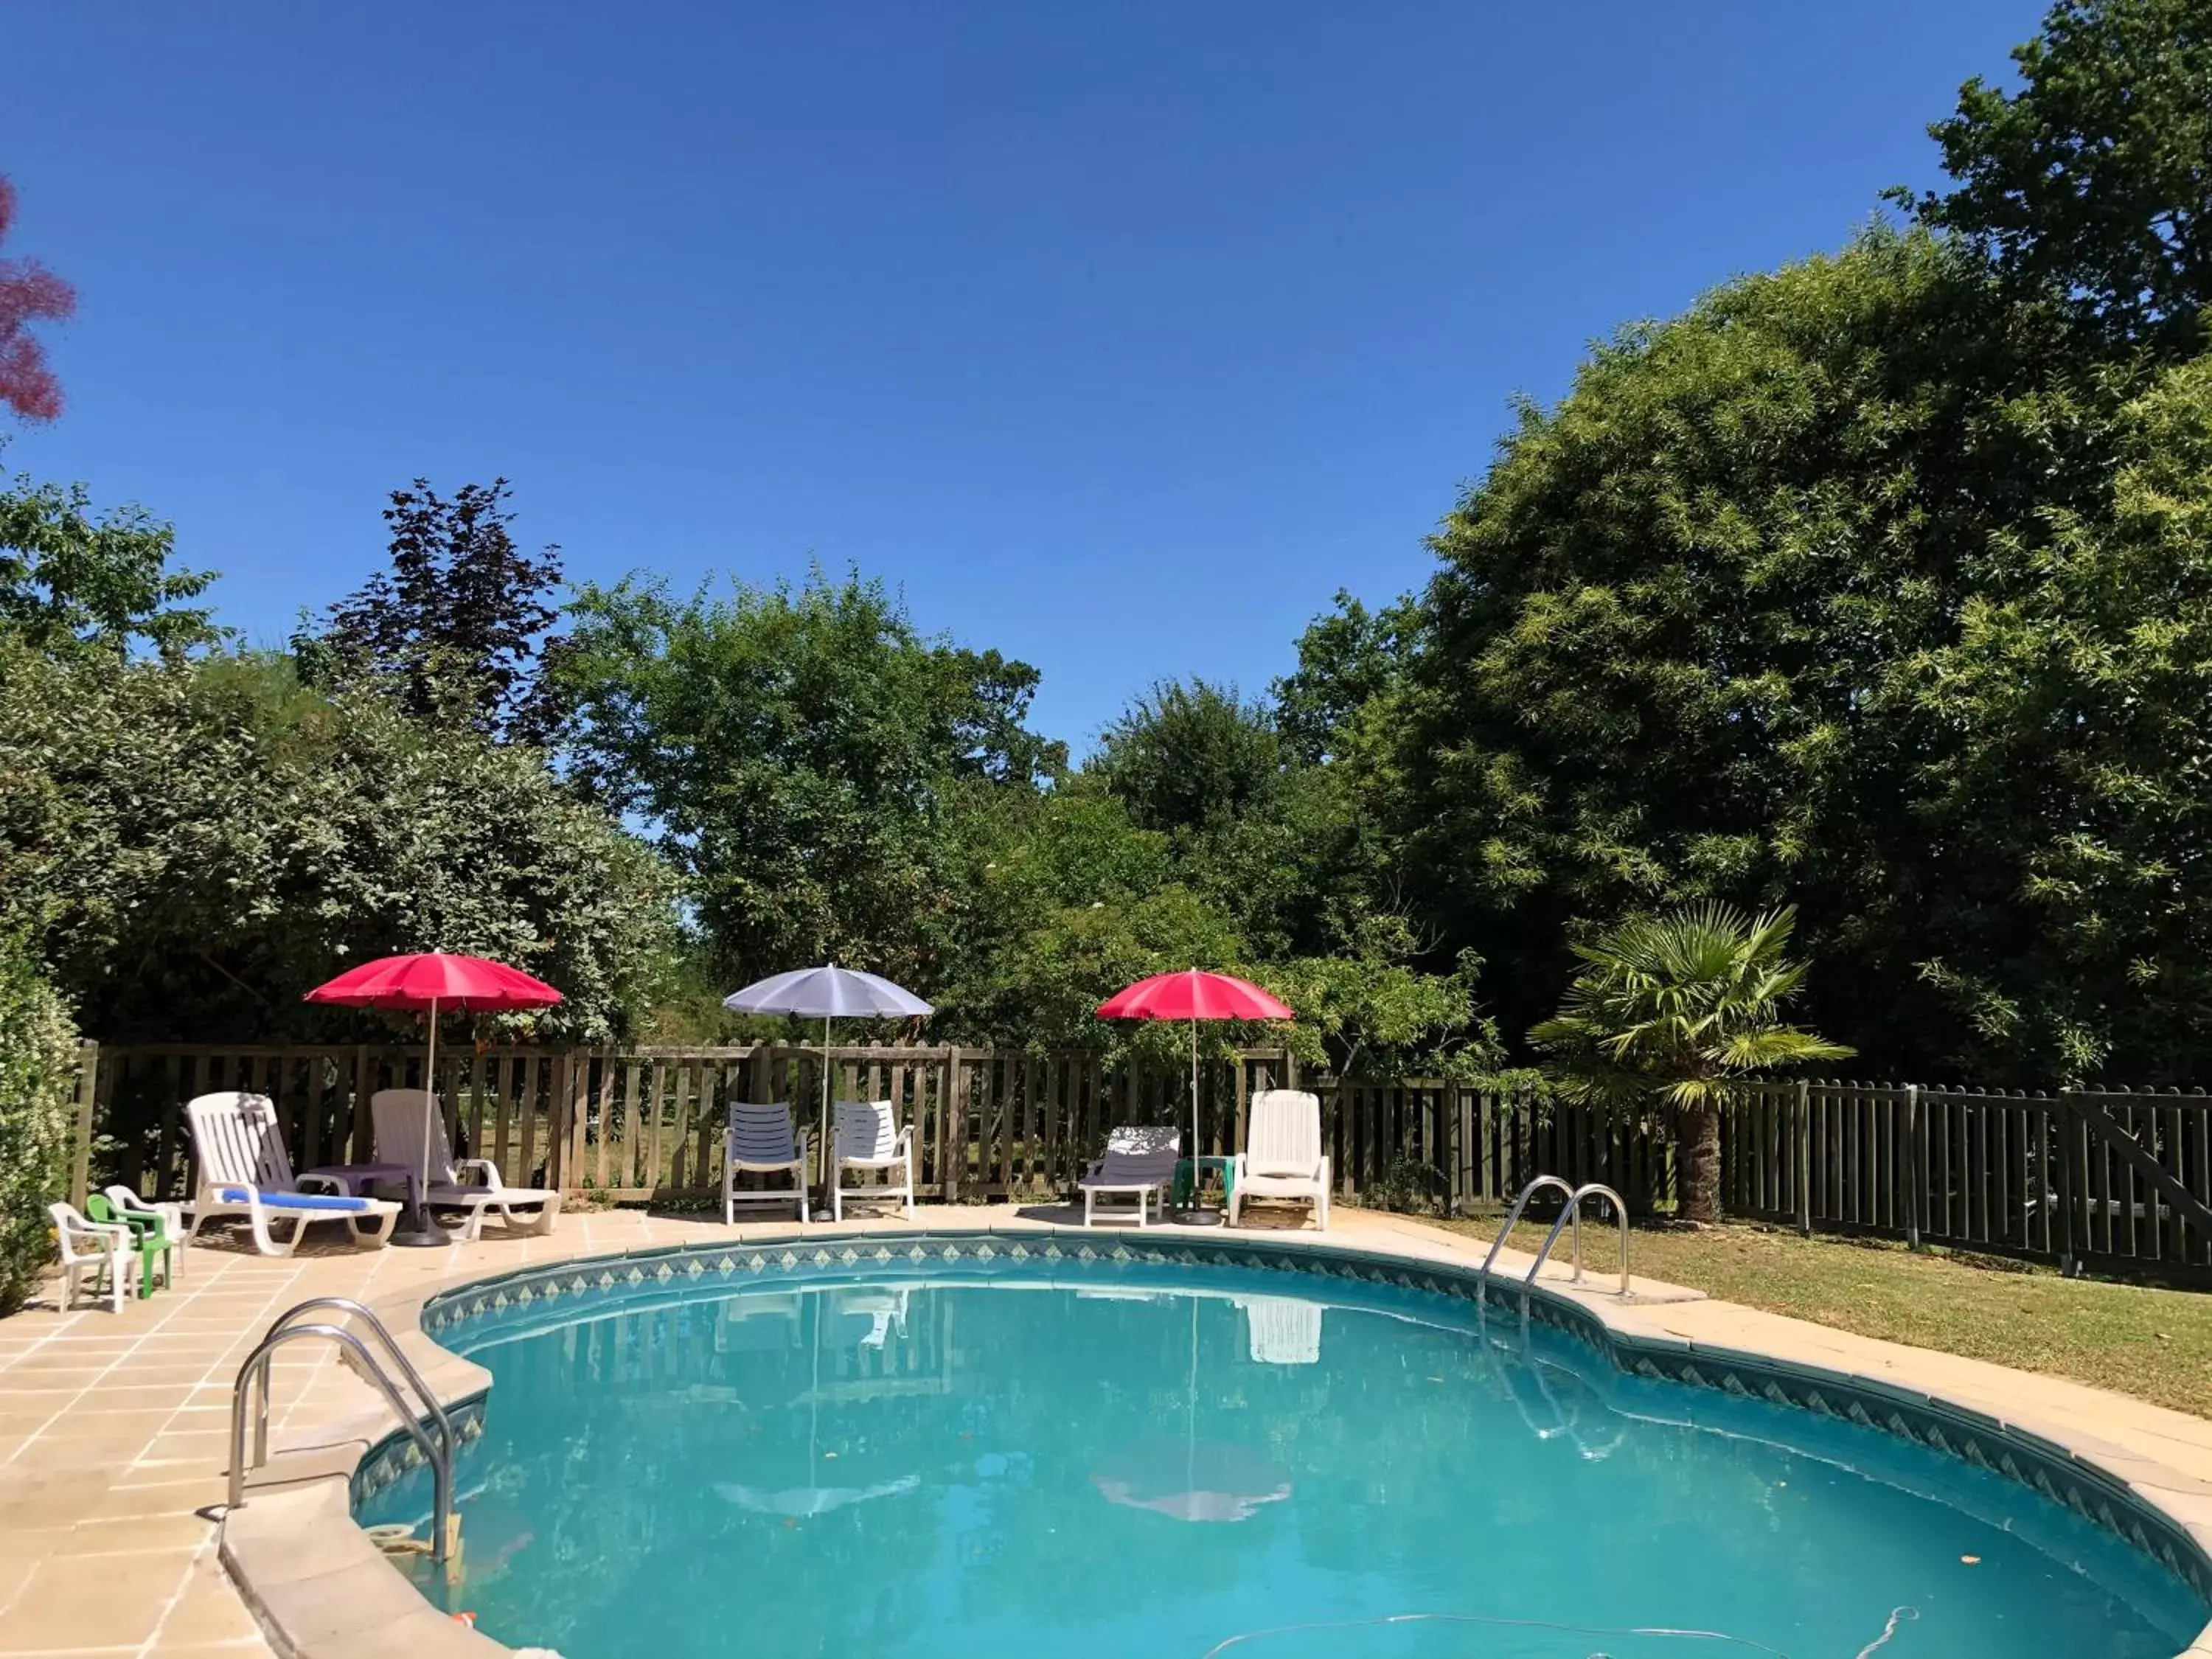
(1283, 1157)
(240, 1168)
(404, 1115)
(866, 1136)
(761, 1138)
(1138, 1164)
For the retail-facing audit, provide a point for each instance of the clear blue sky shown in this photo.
(1117, 335)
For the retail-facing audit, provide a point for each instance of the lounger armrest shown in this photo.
(464, 1167)
(308, 1183)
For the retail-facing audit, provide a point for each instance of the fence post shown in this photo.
(2065, 1113)
(87, 1089)
(1803, 1158)
(956, 1118)
(1911, 1166)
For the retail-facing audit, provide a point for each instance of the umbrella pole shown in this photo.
(420, 1229)
(828, 1173)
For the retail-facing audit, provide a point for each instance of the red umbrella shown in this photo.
(1194, 996)
(426, 981)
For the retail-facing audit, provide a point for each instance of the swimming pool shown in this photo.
(875, 1453)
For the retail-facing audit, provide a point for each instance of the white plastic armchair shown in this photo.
(867, 1136)
(1283, 1157)
(94, 1248)
(761, 1140)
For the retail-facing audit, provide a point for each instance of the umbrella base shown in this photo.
(416, 1231)
(1198, 1215)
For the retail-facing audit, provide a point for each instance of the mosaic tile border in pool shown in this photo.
(1984, 1441)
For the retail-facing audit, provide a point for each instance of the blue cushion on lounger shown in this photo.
(298, 1201)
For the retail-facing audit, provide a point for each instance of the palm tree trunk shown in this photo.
(1698, 1162)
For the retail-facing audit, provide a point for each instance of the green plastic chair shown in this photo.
(149, 1235)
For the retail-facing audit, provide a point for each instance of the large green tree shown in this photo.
(72, 579)
(2092, 179)
(793, 748)
(1668, 650)
(193, 845)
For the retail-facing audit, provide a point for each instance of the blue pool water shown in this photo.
(1169, 1461)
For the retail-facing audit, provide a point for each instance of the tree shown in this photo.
(1190, 756)
(1668, 653)
(29, 294)
(1349, 659)
(2094, 179)
(190, 846)
(69, 581)
(456, 627)
(38, 1066)
(2068, 915)
(793, 749)
(1681, 1005)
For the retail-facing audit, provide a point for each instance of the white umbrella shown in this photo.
(826, 993)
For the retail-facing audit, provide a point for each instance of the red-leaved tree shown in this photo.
(29, 293)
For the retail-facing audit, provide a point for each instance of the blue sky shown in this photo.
(1118, 336)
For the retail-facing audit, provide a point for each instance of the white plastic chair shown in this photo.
(94, 1248)
(1283, 1157)
(761, 1138)
(469, 1183)
(867, 1136)
(1138, 1164)
(240, 1168)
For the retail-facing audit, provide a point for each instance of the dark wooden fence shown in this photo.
(2097, 1181)
(646, 1123)
(2103, 1181)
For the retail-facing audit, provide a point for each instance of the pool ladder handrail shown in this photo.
(1587, 1189)
(286, 1328)
(1569, 1214)
(1513, 1220)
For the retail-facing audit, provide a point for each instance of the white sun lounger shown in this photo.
(1283, 1157)
(469, 1183)
(866, 1136)
(1138, 1164)
(761, 1138)
(240, 1168)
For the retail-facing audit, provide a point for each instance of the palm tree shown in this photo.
(1681, 1005)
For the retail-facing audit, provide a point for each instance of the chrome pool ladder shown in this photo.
(438, 1453)
(1570, 1216)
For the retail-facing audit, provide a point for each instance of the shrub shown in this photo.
(38, 1058)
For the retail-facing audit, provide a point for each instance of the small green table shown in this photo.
(1184, 1193)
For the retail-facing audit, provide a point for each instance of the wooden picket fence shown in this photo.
(2103, 1181)
(646, 1124)
(2099, 1180)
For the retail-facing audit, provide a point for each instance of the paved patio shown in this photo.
(114, 1428)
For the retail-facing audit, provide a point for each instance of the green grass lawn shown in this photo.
(2154, 1344)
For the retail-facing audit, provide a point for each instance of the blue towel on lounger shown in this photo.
(298, 1201)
